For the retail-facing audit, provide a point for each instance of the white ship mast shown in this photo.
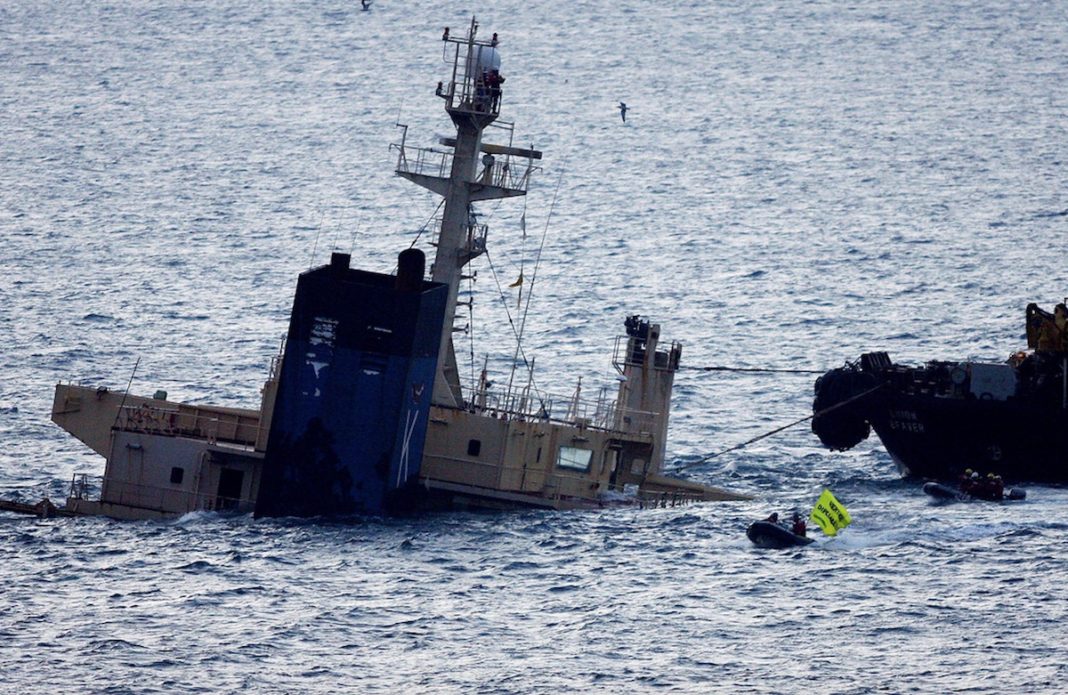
(473, 171)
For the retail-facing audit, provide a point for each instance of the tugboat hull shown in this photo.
(940, 419)
(929, 437)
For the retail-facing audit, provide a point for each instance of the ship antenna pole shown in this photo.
(318, 231)
(122, 403)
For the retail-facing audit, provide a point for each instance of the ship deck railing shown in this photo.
(557, 480)
(510, 172)
(626, 353)
(156, 498)
(211, 424)
(81, 487)
(472, 94)
(651, 499)
(601, 413)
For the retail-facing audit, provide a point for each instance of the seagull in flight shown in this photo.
(623, 111)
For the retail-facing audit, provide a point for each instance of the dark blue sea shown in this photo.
(796, 183)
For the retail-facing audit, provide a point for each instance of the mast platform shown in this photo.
(501, 173)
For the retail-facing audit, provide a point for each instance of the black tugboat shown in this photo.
(937, 420)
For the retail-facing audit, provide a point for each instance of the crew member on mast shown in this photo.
(494, 81)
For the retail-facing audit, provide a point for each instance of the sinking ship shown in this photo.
(363, 411)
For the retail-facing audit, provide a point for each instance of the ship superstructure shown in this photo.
(364, 411)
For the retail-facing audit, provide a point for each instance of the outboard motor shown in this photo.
(845, 426)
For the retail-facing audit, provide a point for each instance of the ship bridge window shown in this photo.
(177, 475)
(474, 447)
(574, 458)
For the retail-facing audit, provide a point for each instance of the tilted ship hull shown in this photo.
(364, 412)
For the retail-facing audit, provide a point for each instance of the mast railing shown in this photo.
(473, 84)
(474, 244)
(502, 171)
(423, 161)
(624, 352)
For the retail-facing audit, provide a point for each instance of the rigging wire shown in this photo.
(534, 278)
(420, 232)
(318, 230)
(770, 370)
(352, 241)
(126, 393)
(736, 447)
(321, 208)
(504, 302)
(427, 223)
(333, 242)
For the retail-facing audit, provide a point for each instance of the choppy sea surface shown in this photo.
(795, 183)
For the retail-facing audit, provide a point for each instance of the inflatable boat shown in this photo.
(765, 534)
(945, 492)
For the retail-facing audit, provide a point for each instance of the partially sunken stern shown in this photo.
(350, 416)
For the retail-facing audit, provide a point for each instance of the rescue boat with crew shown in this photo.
(767, 534)
(941, 491)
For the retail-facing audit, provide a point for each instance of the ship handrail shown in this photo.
(653, 498)
(428, 161)
(623, 354)
(554, 476)
(79, 486)
(602, 414)
(190, 421)
(466, 90)
(274, 370)
(475, 244)
(129, 494)
(432, 162)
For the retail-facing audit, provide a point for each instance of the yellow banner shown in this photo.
(830, 514)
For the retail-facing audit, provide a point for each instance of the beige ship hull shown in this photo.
(515, 463)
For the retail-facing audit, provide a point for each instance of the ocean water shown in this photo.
(796, 183)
